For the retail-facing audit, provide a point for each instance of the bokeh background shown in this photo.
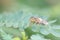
(43, 8)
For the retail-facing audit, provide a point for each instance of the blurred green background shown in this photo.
(48, 8)
(42, 7)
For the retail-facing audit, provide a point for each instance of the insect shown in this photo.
(38, 20)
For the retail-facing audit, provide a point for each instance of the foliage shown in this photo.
(15, 19)
(17, 27)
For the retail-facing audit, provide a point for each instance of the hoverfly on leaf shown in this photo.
(38, 20)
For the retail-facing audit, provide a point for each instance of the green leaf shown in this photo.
(56, 32)
(44, 31)
(56, 26)
(51, 22)
(37, 37)
(7, 37)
